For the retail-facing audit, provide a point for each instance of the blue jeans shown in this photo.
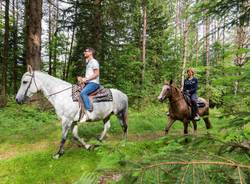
(89, 88)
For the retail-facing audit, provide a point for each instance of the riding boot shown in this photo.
(85, 117)
(195, 112)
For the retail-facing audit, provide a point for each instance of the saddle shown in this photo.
(100, 95)
(200, 103)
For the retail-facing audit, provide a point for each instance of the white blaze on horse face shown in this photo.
(163, 93)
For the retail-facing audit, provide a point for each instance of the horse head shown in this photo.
(28, 86)
(166, 91)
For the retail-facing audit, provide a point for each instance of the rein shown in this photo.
(59, 91)
(175, 100)
(33, 78)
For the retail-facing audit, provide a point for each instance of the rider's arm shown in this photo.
(95, 75)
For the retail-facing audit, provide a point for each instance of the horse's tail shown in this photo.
(123, 116)
(125, 119)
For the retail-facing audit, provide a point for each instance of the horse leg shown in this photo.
(65, 128)
(185, 123)
(195, 127)
(168, 126)
(107, 126)
(78, 138)
(207, 122)
(123, 118)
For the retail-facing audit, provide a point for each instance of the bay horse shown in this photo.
(180, 110)
(59, 93)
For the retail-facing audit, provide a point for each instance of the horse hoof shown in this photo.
(56, 156)
(99, 138)
(87, 146)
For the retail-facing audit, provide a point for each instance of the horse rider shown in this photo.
(190, 89)
(91, 80)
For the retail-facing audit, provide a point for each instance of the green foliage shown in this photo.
(88, 178)
(235, 12)
(27, 125)
(30, 139)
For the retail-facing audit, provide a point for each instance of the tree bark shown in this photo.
(55, 41)
(144, 39)
(50, 42)
(34, 30)
(3, 99)
(207, 45)
(15, 30)
(185, 44)
(72, 42)
(197, 46)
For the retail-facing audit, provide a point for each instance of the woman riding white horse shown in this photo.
(59, 93)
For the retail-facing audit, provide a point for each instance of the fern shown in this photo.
(88, 178)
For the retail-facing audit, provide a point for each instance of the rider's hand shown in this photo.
(84, 80)
(79, 79)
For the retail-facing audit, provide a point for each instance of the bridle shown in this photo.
(171, 94)
(33, 78)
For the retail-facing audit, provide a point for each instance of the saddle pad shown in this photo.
(101, 95)
(76, 90)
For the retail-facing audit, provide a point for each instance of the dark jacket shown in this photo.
(191, 86)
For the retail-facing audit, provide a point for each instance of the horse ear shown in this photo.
(29, 69)
(171, 82)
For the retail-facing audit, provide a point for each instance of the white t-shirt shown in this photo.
(91, 66)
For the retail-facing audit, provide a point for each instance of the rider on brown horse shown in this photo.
(190, 89)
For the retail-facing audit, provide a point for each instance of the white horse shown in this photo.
(59, 93)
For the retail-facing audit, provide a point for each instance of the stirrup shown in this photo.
(84, 118)
(197, 118)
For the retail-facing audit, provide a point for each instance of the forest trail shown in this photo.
(10, 151)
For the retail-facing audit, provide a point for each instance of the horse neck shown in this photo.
(49, 84)
(176, 98)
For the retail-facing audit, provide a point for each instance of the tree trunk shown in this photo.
(50, 43)
(54, 54)
(72, 42)
(223, 38)
(97, 24)
(207, 41)
(197, 46)
(177, 17)
(185, 37)
(3, 99)
(144, 38)
(55, 41)
(15, 30)
(34, 30)
(241, 41)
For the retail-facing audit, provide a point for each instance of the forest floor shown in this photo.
(30, 137)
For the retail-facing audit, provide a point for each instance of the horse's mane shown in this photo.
(57, 80)
(176, 89)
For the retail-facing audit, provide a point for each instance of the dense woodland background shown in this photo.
(139, 44)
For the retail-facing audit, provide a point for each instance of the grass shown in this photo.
(29, 138)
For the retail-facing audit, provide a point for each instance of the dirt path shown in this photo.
(11, 151)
